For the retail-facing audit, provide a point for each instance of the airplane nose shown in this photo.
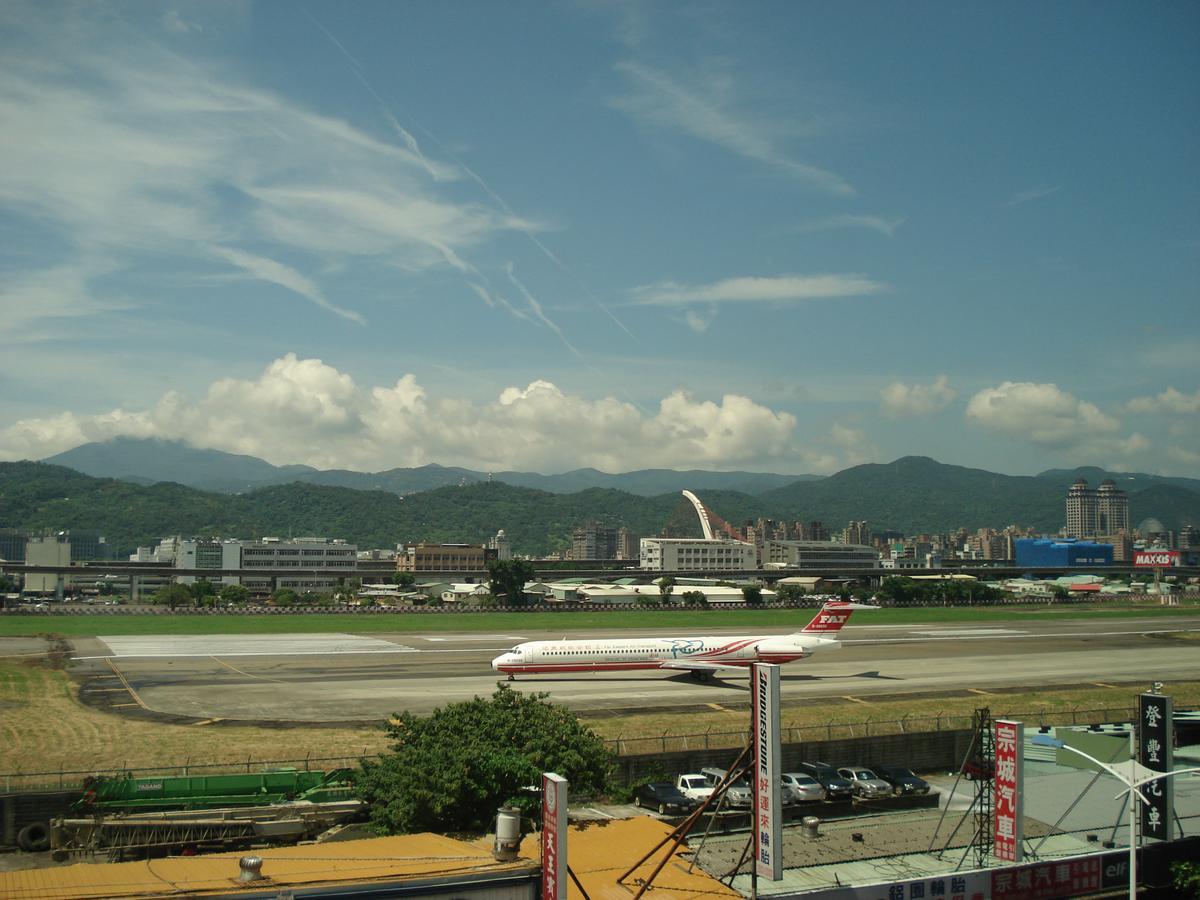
(500, 660)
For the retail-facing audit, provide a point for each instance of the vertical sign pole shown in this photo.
(1008, 831)
(1156, 753)
(768, 814)
(554, 837)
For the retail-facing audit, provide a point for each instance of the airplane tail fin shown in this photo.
(832, 616)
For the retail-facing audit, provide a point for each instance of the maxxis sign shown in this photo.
(554, 837)
(768, 818)
(1155, 559)
(1008, 791)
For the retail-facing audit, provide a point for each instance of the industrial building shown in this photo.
(1056, 553)
(824, 555)
(444, 557)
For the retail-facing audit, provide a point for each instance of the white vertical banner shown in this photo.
(554, 837)
(1008, 797)
(768, 804)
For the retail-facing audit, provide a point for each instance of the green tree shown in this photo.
(404, 580)
(203, 592)
(233, 594)
(789, 593)
(694, 598)
(666, 586)
(1060, 593)
(507, 579)
(449, 771)
(285, 597)
(1186, 876)
(173, 595)
(752, 594)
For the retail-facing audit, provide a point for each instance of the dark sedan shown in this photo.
(836, 787)
(902, 780)
(664, 797)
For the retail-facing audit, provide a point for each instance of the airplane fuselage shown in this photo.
(697, 654)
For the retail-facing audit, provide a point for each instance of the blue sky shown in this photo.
(771, 236)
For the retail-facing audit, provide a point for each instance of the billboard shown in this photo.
(768, 804)
(1155, 753)
(554, 837)
(1008, 797)
(1155, 559)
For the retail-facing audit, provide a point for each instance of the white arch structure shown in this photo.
(702, 513)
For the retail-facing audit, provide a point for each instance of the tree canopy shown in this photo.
(507, 579)
(451, 770)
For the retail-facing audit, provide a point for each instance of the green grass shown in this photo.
(400, 623)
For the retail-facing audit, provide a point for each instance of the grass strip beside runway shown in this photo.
(573, 620)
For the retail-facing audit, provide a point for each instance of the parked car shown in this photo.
(836, 787)
(979, 769)
(802, 788)
(866, 783)
(902, 780)
(694, 786)
(663, 796)
(737, 795)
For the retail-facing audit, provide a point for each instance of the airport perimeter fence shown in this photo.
(620, 746)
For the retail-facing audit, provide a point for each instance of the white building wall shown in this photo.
(685, 554)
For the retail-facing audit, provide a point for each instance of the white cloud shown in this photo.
(705, 114)
(1184, 455)
(1169, 401)
(1031, 194)
(757, 289)
(304, 410)
(139, 157)
(870, 222)
(1041, 413)
(899, 400)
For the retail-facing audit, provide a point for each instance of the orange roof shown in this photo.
(599, 852)
(377, 859)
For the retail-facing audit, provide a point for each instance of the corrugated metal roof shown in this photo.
(599, 852)
(390, 858)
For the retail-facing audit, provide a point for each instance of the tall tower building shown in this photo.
(1112, 508)
(1083, 510)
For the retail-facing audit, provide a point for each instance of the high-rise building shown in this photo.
(627, 544)
(1112, 508)
(856, 533)
(1082, 510)
(817, 531)
(594, 541)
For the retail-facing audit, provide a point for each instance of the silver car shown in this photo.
(803, 788)
(866, 783)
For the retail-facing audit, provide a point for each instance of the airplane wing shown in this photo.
(697, 665)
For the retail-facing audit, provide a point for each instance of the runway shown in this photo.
(345, 677)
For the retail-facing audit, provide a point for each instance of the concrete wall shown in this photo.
(924, 752)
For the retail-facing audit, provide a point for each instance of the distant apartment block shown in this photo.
(209, 553)
(444, 557)
(693, 554)
(593, 541)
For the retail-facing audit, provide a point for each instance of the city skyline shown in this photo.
(766, 237)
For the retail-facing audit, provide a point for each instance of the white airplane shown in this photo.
(701, 656)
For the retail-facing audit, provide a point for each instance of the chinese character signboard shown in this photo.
(1154, 752)
(554, 837)
(1155, 559)
(1061, 878)
(1008, 795)
(768, 807)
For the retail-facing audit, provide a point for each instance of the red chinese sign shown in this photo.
(554, 837)
(1007, 793)
(1065, 878)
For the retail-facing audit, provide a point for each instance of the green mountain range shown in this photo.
(911, 495)
(148, 460)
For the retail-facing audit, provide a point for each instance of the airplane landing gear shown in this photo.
(702, 677)
(512, 677)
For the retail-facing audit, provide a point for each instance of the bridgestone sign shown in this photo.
(768, 818)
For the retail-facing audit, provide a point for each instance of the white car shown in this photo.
(803, 788)
(695, 786)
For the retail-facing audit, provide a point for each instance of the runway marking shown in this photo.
(856, 699)
(128, 687)
(1027, 635)
(124, 705)
(1103, 685)
(981, 691)
(247, 674)
(209, 721)
(718, 707)
(967, 632)
(158, 646)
